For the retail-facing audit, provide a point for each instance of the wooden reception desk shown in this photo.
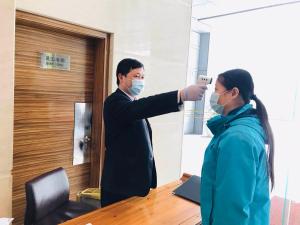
(160, 207)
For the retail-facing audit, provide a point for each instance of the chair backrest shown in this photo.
(45, 193)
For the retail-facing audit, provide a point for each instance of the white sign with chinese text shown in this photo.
(55, 61)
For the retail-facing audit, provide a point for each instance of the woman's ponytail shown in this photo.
(263, 117)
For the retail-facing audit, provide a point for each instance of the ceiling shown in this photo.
(208, 8)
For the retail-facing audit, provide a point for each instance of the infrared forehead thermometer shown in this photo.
(204, 80)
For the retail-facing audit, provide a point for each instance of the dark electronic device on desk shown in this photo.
(190, 189)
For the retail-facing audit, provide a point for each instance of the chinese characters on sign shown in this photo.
(55, 61)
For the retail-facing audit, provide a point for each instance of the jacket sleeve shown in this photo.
(235, 180)
(126, 111)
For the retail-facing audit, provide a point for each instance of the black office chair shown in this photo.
(47, 200)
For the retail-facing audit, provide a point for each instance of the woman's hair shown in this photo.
(242, 80)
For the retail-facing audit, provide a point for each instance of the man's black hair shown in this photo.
(126, 65)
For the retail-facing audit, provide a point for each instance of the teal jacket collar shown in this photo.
(219, 123)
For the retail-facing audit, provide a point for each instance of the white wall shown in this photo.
(155, 32)
(7, 24)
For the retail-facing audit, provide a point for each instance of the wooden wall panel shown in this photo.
(44, 108)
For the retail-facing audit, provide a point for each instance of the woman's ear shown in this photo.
(235, 92)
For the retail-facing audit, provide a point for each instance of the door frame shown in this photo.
(101, 75)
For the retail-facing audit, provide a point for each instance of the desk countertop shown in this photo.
(160, 207)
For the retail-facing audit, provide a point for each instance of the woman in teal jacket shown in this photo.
(237, 166)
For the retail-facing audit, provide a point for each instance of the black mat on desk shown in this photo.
(190, 189)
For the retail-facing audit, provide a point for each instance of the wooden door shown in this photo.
(44, 103)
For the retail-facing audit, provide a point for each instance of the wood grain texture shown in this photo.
(159, 207)
(33, 20)
(44, 102)
(100, 84)
(185, 177)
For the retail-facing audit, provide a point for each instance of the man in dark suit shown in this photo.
(129, 166)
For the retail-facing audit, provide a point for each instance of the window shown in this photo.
(197, 65)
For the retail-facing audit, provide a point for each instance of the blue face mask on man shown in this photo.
(137, 87)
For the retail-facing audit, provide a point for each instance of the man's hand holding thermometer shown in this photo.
(195, 92)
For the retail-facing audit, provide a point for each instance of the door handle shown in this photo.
(83, 143)
(86, 139)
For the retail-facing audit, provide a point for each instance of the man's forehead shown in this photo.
(138, 71)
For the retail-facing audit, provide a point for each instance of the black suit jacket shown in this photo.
(129, 167)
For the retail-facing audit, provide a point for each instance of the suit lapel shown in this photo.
(148, 126)
(122, 93)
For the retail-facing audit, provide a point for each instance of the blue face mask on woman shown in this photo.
(137, 87)
(214, 98)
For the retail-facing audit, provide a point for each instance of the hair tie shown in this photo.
(253, 97)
